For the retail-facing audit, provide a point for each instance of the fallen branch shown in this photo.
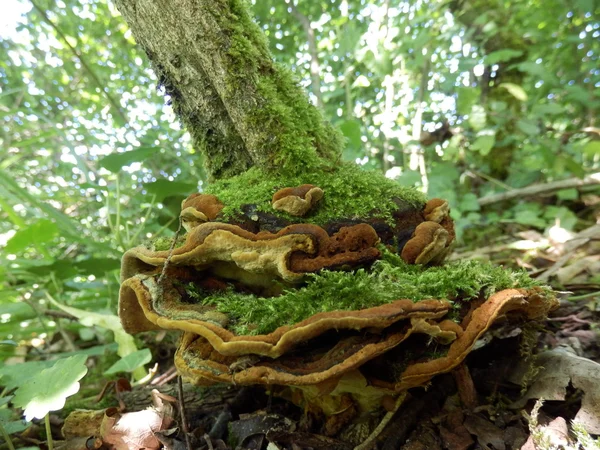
(537, 189)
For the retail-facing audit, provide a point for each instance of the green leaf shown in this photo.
(165, 188)
(592, 148)
(97, 266)
(466, 98)
(527, 127)
(64, 222)
(549, 109)
(115, 161)
(529, 218)
(568, 194)
(16, 375)
(108, 321)
(484, 144)
(515, 90)
(501, 56)
(477, 117)
(38, 233)
(352, 132)
(10, 425)
(48, 389)
(532, 69)
(130, 362)
(468, 202)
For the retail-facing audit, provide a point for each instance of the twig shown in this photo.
(164, 269)
(370, 441)
(537, 189)
(208, 441)
(184, 425)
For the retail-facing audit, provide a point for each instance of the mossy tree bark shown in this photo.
(241, 109)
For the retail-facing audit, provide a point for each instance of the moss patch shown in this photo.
(164, 243)
(350, 193)
(281, 130)
(389, 279)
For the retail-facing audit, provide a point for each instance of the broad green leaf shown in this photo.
(466, 98)
(484, 144)
(130, 362)
(110, 322)
(16, 375)
(477, 117)
(502, 56)
(352, 132)
(530, 218)
(468, 202)
(572, 166)
(10, 425)
(38, 233)
(64, 222)
(115, 161)
(566, 218)
(527, 127)
(97, 266)
(548, 109)
(568, 194)
(515, 90)
(533, 69)
(165, 188)
(592, 148)
(409, 178)
(48, 389)
(580, 95)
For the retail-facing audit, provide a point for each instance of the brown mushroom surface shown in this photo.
(329, 356)
(297, 201)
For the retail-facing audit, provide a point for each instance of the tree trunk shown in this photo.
(241, 109)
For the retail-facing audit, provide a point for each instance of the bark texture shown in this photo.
(241, 109)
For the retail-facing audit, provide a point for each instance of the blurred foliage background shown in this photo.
(461, 98)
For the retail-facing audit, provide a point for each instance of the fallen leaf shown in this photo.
(553, 435)
(135, 430)
(558, 368)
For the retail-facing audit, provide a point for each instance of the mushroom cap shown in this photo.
(297, 201)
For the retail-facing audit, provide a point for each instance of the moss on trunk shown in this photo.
(241, 108)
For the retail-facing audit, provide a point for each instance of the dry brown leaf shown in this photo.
(135, 430)
(560, 367)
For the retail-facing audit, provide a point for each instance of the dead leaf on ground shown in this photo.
(135, 430)
(555, 434)
(558, 368)
(487, 433)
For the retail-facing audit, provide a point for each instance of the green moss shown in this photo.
(350, 192)
(282, 130)
(164, 243)
(389, 279)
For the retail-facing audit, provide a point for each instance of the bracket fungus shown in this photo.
(324, 306)
(297, 201)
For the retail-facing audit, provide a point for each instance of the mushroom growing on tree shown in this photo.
(298, 271)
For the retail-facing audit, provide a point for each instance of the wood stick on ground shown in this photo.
(370, 442)
(537, 189)
(184, 425)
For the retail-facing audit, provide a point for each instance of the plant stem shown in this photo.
(6, 438)
(49, 432)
